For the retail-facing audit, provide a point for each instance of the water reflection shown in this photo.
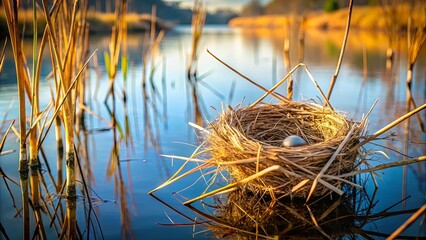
(157, 112)
(244, 214)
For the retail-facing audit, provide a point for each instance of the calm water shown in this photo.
(257, 54)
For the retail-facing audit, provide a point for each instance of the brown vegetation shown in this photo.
(363, 18)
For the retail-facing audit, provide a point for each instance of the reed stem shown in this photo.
(11, 12)
(342, 51)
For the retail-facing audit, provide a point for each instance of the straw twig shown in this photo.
(287, 77)
(328, 164)
(276, 95)
(394, 123)
(342, 50)
(407, 223)
(384, 166)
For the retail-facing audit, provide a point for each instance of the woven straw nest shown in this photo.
(247, 142)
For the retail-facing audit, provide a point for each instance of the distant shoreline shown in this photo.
(363, 18)
(99, 23)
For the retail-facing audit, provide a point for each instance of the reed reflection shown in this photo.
(243, 214)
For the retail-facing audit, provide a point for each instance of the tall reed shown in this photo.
(197, 25)
(286, 57)
(68, 54)
(117, 47)
(111, 64)
(150, 94)
(342, 50)
(416, 37)
(33, 137)
(392, 10)
(11, 9)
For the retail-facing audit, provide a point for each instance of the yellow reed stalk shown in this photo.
(35, 113)
(11, 12)
(342, 51)
(286, 57)
(393, 10)
(2, 55)
(275, 95)
(416, 38)
(197, 25)
(3, 140)
(68, 54)
(275, 168)
(111, 62)
(407, 223)
(330, 161)
(394, 123)
(270, 91)
(383, 166)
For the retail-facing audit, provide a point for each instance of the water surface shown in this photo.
(259, 56)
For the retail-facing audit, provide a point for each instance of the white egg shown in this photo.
(293, 141)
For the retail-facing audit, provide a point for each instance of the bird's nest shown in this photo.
(248, 143)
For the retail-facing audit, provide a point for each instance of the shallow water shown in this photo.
(258, 55)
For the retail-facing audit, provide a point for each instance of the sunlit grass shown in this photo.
(99, 21)
(363, 17)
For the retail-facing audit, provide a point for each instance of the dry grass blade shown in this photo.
(394, 123)
(176, 173)
(407, 223)
(177, 178)
(342, 50)
(286, 77)
(197, 25)
(328, 164)
(384, 166)
(3, 140)
(2, 55)
(258, 175)
(314, 221)
(67, 93)
(11, 11)
(276, 95)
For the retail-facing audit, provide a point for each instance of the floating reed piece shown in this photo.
(252, 140)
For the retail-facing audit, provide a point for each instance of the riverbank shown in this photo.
(369, 18)
(100, 23)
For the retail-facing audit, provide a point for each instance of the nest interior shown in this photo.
(251, 138)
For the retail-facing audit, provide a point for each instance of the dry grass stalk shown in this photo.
(342, 51)
(394, 123)
(197, 25)
(3, 139)
(11, 11)
(407, 223)
(2, 55)
(270, 91)
(392, 9)
(416, 38)
(275, 95)
(66, 31)
(286, 57)
(33, 134)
